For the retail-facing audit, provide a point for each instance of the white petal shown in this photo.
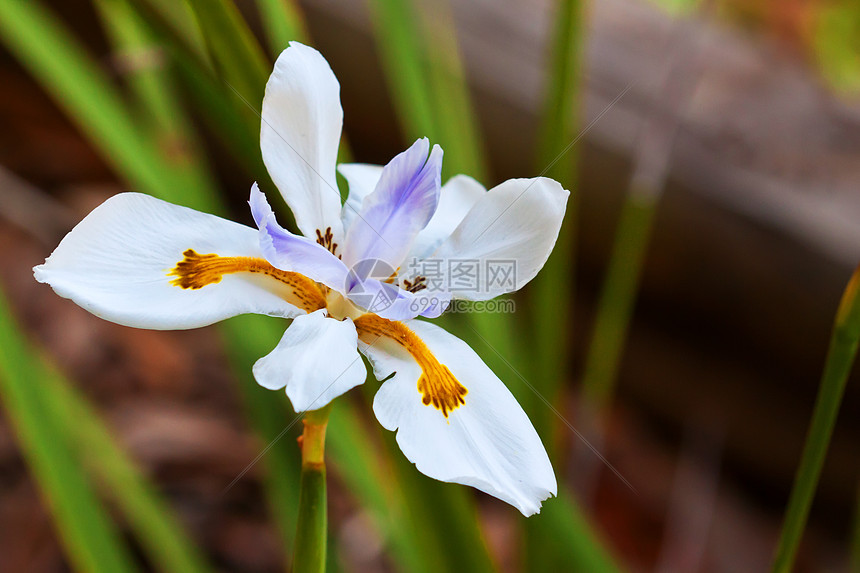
(316, 360)
(458, 195)
(488, 442)
(116, 264)
(362, 179)
(299, 137)
(505, 239)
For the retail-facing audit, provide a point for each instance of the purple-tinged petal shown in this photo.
(362, 179)
(301, 255)
(391, 302)
(260, 208)
(418, 304)
(403, 202)
(294, 253)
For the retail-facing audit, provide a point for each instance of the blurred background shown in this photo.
(669, 355)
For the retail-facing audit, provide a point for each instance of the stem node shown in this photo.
(309, 555)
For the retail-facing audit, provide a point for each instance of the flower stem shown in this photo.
(310, 549)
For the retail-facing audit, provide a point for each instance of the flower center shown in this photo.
(419, 284)
(196, 271)
(340, 307)
(436, 384)
(327, 240)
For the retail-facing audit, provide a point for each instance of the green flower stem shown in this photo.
(310, 552)
(840, 358)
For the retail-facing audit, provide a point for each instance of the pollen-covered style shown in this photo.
(350, 282)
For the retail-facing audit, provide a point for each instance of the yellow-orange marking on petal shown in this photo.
(437, 385)
(196, 271)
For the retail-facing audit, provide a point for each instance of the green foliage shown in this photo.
(420, 56)
(282, 22)
(453, 111)
(561, 539)
(233, 49)
(617, 297)
(837, 45)
(553, 292)
(61, 436)
(230, 118)
(837, 366)
(147, 514)
(400, 49)
(677, 7)
(78, 85)
(92, 541)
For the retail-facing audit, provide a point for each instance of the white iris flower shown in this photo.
(142, 262)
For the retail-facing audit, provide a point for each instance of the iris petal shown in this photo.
(402, 204)
(362, 179)
(299, 137)
(122, 263)
(509, 233)
(295, 253)
(317, 360)
(486, 441)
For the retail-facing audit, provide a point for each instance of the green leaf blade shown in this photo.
(837, 367)
(91, 540)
